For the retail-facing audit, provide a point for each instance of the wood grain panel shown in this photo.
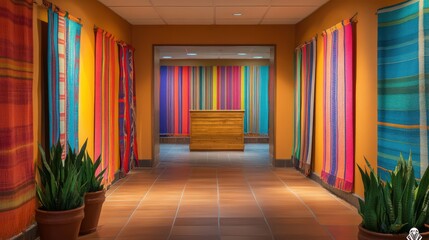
(217, 130)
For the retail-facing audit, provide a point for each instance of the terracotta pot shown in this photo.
(93, 203)
(364, 234)
(62, 225)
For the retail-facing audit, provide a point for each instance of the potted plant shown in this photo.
(60, 195)
(392, 208)
(95, 193)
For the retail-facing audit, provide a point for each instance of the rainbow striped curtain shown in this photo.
(127, 108)
(184, 88)
(63, 79)
(305, 77)
(338, 103)
(403, 99)
(17, 201)
(105, 98)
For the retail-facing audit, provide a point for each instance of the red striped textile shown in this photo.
(17, 201)
(127, 104)
(105, 104)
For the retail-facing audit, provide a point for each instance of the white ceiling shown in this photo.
(214, 52)
(213, 12)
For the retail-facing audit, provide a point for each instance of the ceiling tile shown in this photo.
(214, 52)
(248, 12)
(298, 2)
(185, 13)
(136, 12)
(289, 12)
(233, 21)
(273, 21)
(146, 21)
(189, 21)
(200, 12)
(241, 2)
(182, 3)
(127, 3)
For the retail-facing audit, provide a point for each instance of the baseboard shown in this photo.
(351, 198)
(28, 234)
(145, 163)
(256, 139)
(118, 175)
(283, 163)
(174, 140)
(185, 140)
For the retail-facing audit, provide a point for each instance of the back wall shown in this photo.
(282, 36)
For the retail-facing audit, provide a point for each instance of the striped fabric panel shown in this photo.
(73, 60)
(305, 63)
(17, 200)
(255, 98)
(184, 88)
(53, 77)
(338, 102)
(402, 85)
(62, 85)
(63, 79)
(105, 117)
(229, 88)
(127, 103)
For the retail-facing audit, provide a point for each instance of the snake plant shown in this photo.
(92, 181)
(59, 187)
(89, 174)
(397, 205)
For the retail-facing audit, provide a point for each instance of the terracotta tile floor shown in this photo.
(222, 195)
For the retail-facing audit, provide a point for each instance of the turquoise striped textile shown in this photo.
(402, 85)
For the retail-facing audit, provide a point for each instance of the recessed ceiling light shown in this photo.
(191, 54)
(167, 57)
(258, 57)
(242, 54)
(237, 14)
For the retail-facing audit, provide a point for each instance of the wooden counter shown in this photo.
(217, 130)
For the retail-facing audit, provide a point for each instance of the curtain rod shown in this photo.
(351, 20)
(46, 4)
(109, 34)
(307, 42)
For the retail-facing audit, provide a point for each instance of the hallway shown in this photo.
(222, 195)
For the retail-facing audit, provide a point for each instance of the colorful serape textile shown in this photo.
(338, 110)
(17, 199)
(402, 85)
(305, 77)
(105, 119)
(73, 60)
(63, 79)
(127, 108)
(184, 88)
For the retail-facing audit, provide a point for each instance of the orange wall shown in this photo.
(282, 36)
(366, 74)
(91, 13)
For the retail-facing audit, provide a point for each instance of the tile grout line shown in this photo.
(342, 201)
(259, 206)
(177, 210)
(138, 205)
(120, 182)
(305, 205)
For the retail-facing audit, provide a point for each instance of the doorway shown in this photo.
(201, 64)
